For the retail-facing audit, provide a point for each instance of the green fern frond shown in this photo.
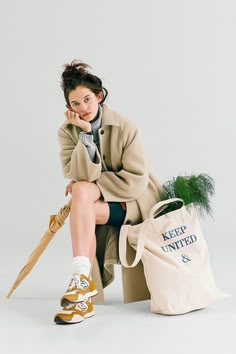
(196, 189)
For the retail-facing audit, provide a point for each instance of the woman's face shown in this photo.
(85, 102)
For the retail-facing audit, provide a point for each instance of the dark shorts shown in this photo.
(117, 214)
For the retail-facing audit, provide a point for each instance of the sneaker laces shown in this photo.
(74, 283)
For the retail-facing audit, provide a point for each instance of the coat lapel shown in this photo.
(108, 117)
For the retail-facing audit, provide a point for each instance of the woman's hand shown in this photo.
(75, 119)
(69, 188)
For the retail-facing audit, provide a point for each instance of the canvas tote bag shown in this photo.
(175, 259)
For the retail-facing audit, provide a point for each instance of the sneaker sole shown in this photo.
(75, 319)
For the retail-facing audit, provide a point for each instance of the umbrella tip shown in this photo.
(10, 292)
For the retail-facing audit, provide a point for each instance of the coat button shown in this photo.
(102, 131)
(128, 221)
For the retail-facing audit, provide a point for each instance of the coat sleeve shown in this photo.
(132, 180)
(75, 159)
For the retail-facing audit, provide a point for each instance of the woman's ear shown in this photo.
(100, 96)
(68, 107)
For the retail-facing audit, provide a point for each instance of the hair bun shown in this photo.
(77, 68)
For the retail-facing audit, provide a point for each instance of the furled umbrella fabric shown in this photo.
(55, 223)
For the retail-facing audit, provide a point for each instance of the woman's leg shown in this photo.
(87, 210)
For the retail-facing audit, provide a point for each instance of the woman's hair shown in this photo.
(76, 74)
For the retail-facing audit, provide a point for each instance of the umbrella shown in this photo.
(55, 223)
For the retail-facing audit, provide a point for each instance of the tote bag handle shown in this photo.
(123, 244)
(160, 206)
(156, 209)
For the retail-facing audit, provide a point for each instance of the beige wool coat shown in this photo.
(123, 174)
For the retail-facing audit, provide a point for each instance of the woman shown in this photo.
(111, 183)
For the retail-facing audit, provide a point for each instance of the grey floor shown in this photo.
(27, 316)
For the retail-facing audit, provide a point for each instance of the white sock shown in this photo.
(81, 265)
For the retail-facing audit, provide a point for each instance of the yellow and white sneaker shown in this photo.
(80, 288)
(75, 313)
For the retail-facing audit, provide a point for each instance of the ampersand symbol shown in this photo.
(185, 258)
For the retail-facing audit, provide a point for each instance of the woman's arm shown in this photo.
(75, 159)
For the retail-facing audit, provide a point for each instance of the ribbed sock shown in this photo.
(81, 265)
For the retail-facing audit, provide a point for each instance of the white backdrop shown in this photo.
(169, 65)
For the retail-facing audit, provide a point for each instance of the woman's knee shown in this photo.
(86, 190)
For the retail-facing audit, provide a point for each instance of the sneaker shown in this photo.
(80, 288)
(75, 313)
